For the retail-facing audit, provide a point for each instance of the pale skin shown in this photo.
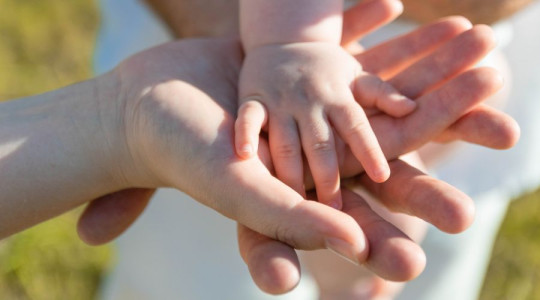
(100, 223)
(130, 128)
(112, 214)
(221, 24)
(265, 257)
(299, 85)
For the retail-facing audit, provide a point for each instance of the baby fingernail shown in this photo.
(344, 249)
(381, 174)
(409, 101)
(246, 150)
(336, 204)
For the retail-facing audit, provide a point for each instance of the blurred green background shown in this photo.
(46, 44)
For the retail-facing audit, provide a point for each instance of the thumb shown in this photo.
(105, 218)
(268, 206)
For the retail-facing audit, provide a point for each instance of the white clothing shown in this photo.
(162, 257)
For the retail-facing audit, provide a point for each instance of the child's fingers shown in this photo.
(252, 116)
(320, 150)
(286, 153)
(353, 126)
(371, 91)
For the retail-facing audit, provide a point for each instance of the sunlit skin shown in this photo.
(198, 18)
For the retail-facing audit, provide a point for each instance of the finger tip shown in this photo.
(510, 134)
(485, 36)
(459, 22)
(459, 214)
(396, 7)
(245, 151)
(86, 235)
(282, 279)
(355, 252)
(397, 259)
(380, 175)
(275, 271)
(408, 107)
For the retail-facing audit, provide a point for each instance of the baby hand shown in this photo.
(298, 92)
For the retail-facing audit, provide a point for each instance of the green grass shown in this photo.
(50, 262)
(514, 270)
(46, 44)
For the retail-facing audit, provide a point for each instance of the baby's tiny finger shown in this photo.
(354, 128)
(371, 91)
(286, 153)
(252, 117)
(319, 146)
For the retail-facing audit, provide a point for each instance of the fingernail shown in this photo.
(247, 150)
(411, 103)
(381, 174)
(343, 249)
(336, 204)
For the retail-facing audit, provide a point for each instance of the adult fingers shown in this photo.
(105, 218)
(273, 265)
(269, 207)
(286, 152)
(389, 58)
(436, 111)
(393, 255)
(484, 126)
(439, 108)
(367, 16)
(411, 191)
(457, 55)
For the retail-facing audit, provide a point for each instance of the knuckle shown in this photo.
(323, 146)
(370, 151)
(287, 150)
(383, 89)
(250, 106)
(285, 234)
(355, 130)
(327, 183)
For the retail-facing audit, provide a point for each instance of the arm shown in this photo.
(166, 121)
(283, 21)
(274, 265)
(54, 153)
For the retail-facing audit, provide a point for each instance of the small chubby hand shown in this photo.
(303, 95)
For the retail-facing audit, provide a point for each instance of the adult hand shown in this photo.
(280, 274)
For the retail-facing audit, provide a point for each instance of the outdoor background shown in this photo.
(46, 44)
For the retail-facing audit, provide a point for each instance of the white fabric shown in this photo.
(181, 250)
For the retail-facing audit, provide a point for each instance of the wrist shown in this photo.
(115, 100)
(111, 137)
(283, 21)
(55, 153)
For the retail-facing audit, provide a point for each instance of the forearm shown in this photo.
(265, 22)
(55, 153)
